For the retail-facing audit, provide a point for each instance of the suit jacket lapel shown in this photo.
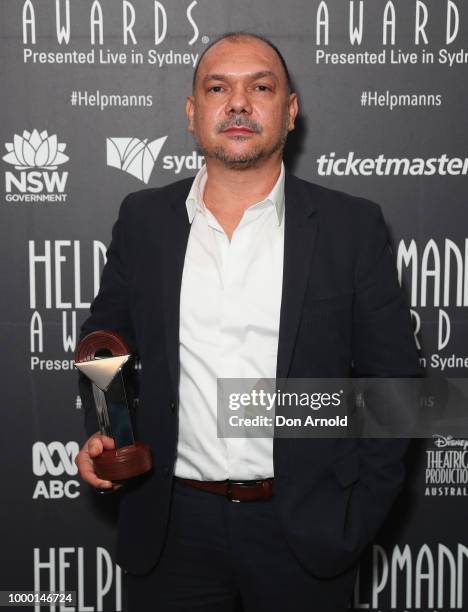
(299, 241)
(176, 238)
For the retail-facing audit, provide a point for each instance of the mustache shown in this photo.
(238, 122)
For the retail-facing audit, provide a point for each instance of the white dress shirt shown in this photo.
(229, 322)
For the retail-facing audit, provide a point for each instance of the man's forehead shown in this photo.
(240, 56)
(239, 73)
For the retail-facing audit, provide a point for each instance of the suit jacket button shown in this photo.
(172, 406)
(166, 470)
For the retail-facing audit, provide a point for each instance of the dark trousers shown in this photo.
(223, 556)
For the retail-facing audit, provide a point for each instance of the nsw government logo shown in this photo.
(36, 157)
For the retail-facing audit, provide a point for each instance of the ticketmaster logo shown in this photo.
(135, 156)
(330, 165)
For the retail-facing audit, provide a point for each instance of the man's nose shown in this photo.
(238, 101)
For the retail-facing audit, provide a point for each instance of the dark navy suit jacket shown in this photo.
(342, 314)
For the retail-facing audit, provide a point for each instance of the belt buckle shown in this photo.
(249, 483)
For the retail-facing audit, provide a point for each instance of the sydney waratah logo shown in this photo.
(37, 156)
(135, 156)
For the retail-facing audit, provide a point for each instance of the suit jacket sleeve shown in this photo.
(383, 346)
(110, 309)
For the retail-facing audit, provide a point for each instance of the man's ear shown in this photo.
(293, 109)
(189, 110)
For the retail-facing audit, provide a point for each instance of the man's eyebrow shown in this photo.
(252, 75)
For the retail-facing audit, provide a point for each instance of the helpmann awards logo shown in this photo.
(36, 156)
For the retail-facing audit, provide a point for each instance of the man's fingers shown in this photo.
(97, 443)
(107, 442)
(93, 448)
(87, 473)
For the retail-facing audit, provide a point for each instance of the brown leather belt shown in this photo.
(235, 490)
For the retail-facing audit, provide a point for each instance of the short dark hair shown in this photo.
(235, 37)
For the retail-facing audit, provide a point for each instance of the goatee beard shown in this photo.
(242, 161)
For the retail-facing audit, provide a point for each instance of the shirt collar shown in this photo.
(194, 201)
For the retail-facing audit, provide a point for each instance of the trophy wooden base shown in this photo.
(122, 463)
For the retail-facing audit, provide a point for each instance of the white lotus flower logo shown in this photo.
(34, 150)
(135, 156)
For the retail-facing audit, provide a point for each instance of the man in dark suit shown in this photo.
(248, 272)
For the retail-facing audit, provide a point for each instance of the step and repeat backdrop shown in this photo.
(93, 108)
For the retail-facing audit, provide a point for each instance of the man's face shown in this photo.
(241, 111)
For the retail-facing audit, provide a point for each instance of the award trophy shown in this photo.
(100, 356)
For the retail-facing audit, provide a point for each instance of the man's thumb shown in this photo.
(95, 447)
(107, 442)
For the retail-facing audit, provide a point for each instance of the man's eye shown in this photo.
(216, 88)
(262, 88)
